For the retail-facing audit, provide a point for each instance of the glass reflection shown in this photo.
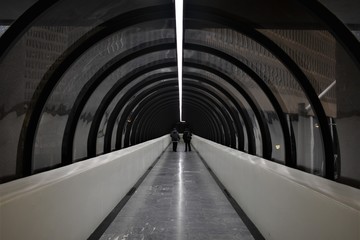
(63, 97)
(3, 29)
(253, 89)
(119, 97)
(180, 198)
(319, 63)
(90, 108)
(320, 55)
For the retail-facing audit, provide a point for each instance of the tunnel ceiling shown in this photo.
(346, 10)
(277, 79)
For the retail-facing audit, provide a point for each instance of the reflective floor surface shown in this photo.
(178, 200)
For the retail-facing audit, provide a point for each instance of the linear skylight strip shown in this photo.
(179, 8)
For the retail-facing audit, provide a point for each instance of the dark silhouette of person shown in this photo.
(187, 139)
(175, 137)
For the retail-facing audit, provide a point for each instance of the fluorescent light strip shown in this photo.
(179, 8)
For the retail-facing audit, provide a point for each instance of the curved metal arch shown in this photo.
(155, 99)
(198, 111)
(133, 53)
(290, 149)
(91, 144)
(157, 120)
(318, 115)
(155, 47)
(26, 19)
(168, 63)
(50, 79)
(10, 36)
(167, 87)
(212, 126)
(163, 76)
(227, 113)
(239, 107)
(222, 120)
(24, 22)
(200, 91)
(221, 115)
(338, 29)
(329, 19)
(152, 121)
(126, 97)
(163, 111)
(155, 117)
(96, 80)
(230, 116)
(265, 133)
(216, 16)
(193, 119)
(89, 46)
(201, 105)
(175, 102)
(264, 128)
(71, 147)
(205, 109)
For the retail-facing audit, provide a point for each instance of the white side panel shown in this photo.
(71, 202)
(285, 203)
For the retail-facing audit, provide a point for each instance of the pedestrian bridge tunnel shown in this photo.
(89, 94)
(274, 79)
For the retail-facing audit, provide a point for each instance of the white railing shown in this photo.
(70, 202)
(284, 203)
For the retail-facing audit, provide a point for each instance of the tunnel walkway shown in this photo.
(178, 199)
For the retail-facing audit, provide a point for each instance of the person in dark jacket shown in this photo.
(175, 137)
(187, 139)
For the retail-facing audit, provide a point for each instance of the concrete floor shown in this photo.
(178, 199)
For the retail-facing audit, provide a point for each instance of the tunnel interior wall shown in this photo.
(71, 202)
(284, 203)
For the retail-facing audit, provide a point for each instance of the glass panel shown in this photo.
(331, 68)
(83, 126)
(117, 98)
(282, 83)
(131, 101)
(210, 92)
(334, 76)
(251, 88)
(347, 12)
(348, 115)
(3, 29)
(37, 50)
(110, 108)
(314, 52)
(357, 34)
(239, 98)
(54, 117)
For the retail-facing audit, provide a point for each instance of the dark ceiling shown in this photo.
(346, 10)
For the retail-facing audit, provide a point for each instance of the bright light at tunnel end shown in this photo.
(179, 8)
